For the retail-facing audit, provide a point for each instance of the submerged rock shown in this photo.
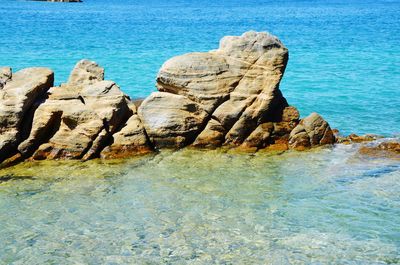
(385, 149)
(229, 96)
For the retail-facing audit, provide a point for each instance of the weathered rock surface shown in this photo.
(5, 75)
(17, 98)
(79, 118)
(385, 149)
(171, 120)
(311, 131)
(131, 139)
(229, 96)
(270, 133)
(237, 85)
(86, 72)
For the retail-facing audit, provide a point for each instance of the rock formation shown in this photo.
(229, 96)
(18, 100)
(237, 85)
(79, 118)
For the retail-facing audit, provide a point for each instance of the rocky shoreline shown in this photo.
(226, 97)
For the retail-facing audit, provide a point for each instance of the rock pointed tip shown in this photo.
(86, 72)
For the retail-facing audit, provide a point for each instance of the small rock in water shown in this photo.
(389, 149)
(354, 138)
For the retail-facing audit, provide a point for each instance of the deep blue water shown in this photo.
(344, 55)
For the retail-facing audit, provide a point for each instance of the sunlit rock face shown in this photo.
(237, 86)
(311, 131)
(79, 118)
(171, 120)
(21, 93)
(225, 97)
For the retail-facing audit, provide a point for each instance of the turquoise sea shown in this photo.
(344, 54)
(323, 206)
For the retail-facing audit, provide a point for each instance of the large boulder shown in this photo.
(311, 131)
(171, 120)
(18, 100)
(237, 85)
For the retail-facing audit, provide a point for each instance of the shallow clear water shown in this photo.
(327, 206)
(344, 55)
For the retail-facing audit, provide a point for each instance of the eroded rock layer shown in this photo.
(229, 96)
(237, 85)
(19, 98)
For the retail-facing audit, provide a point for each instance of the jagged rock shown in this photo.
(238, 84)
(86, 72)
(5, 75)
(131, 139)
(171, 120)
(311, 131)
(229, 96)
(212, 136)
(299, 139)
(78, 118)
(17, 100)
(270, 133)
(84, 124)
(261, 136)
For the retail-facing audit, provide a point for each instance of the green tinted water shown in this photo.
(328, 206)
